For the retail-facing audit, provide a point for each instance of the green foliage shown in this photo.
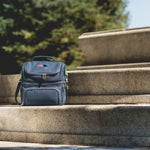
(52, 27)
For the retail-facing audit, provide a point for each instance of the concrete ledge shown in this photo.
(123, 46)
(115, 66)
(32, 146)
(114, 32)
(113, 125)
(5, 145)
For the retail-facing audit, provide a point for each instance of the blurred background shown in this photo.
(52, 27)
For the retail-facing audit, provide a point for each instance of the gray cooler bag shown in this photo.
(42, 82)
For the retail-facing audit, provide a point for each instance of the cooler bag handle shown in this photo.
(37, 57)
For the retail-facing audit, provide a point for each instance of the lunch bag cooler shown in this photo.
(43, 82)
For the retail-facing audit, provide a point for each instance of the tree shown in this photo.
(52, 27)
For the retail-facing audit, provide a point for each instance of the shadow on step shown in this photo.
(59, 148)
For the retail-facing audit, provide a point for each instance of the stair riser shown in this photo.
(106, 125)
(109, 99)
(8, 85)
(116, 47)
(91, 140)
(110, 82)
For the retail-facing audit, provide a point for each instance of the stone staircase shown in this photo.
(108, 105)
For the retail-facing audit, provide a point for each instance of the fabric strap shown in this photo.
(17, 91)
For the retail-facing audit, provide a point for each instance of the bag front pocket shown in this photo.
(41, 96)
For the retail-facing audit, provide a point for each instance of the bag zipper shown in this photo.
(42, 84)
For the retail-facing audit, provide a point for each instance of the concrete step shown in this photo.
(103, 125)
(124, 85)
(131, 81)
(4, 145)
(115, 66)
(116, 47)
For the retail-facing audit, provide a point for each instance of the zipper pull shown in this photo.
(43, 76)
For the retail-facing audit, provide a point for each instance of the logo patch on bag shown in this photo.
(42, 65)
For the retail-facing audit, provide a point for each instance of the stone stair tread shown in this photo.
(114, 66)
(5, 145)
(114, 32)
(103, 125)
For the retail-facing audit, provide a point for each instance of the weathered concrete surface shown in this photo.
(8, 84)
(109, 99)
(114, 66)
(104, 125)
(122, 46)
(9, 100)
(4, 145)
(94, 99)
(131, 81)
